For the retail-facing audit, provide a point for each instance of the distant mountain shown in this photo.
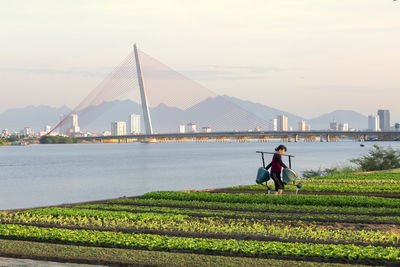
(221, 113)
(354, 119)
(265, 112)
(99, 118)
(218, 113)
(35, 117)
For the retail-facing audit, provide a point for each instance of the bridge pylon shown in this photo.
(145, 106)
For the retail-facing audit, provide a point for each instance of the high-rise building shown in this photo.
(302, 126)
(206, 129)
(133, 124)
(308, 128)
(27, 131)
(373, 123)
(106, 133)
(47, 128)
(273, 125)
(191, 127)
(384, 119)
(343, 127)
(334, 126)
(118, 128)
(181, 128)
(282, 123)
(4, 133)
(70, 124)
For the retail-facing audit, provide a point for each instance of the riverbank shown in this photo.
(211, 228)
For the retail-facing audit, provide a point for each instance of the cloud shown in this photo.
(223, 72)
(73, 71)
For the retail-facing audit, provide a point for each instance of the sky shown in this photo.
(307, 57)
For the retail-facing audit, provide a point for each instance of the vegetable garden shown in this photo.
(242, 226)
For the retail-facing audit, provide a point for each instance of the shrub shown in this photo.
(378, 158)
(57, 140)
(329, 171)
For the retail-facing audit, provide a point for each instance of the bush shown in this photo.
(312, 173)
(329, 171)
(57, 140)
(378, 158)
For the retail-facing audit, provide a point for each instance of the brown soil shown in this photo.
(229, 191)
(360, 226)
(232, 209)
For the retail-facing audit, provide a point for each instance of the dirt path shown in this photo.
(224, 190)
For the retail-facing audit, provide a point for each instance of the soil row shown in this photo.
(231, 209)
(232, 191)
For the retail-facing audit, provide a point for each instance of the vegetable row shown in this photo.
(205, 225)
(160, 242)
(320, 200)
(337, 186)
(211, 206)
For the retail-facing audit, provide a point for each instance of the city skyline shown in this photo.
(286, 50)
(71, 123)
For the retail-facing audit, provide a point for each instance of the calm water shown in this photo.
(38, 175)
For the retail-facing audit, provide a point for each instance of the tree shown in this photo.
(57, 140)
(378, 158)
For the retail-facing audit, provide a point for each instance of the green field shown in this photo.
(220, 229)
(377, 183)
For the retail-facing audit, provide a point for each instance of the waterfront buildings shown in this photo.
(191, 127)
(118, 128)
(302, 126)
(334, 126)
(133, 124)
(106, 133)
(206, 129)
(27, 131)
(4, 133)
(282, 123)
(373, 123)
(384, 119)
(273, 125)
(47, 128)
(70, 124)
(343, 127)
(181, 128)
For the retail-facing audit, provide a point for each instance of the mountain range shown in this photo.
(221, 113)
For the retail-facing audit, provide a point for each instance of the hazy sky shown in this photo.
(305, 56)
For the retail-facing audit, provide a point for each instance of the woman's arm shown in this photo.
(279, 159)
(268, 166)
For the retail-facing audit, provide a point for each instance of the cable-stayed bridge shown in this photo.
(157, 87)
(259, 136)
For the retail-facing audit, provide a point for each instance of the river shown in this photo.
(40, 175)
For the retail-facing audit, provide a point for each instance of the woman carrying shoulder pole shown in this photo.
(276, 168)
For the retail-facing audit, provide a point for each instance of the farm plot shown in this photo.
(203, 228)
(373, 184)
